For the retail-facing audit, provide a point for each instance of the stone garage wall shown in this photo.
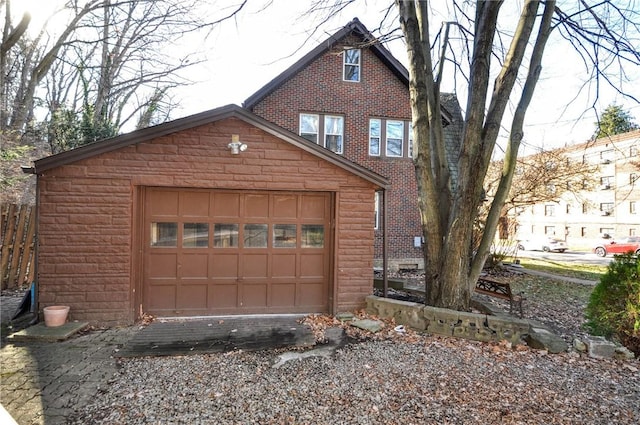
(475, 326)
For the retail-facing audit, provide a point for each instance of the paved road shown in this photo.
(575, 257)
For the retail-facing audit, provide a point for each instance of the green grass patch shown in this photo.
(579, 271)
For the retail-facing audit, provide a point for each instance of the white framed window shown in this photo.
(633, 209)
(309, 127)
(395, 138)
(374, 137)
(333, 133)
(550, 230)
(606, 208)
(606, 157)
(351, 68)
(327, 130)
(550, 210)
(606, 182)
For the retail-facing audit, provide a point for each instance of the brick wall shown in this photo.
(380, 94)
(87, 227)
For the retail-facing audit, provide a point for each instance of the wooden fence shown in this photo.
(17, 237)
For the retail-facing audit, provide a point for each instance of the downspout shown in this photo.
(34, 299)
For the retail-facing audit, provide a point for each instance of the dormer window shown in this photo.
(351, 68)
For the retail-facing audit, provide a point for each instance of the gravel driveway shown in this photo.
(421, 380)
(389, 378)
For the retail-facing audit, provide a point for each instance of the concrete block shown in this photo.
(599, 348)
(543, 339)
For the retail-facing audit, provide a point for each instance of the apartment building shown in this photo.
(610, 210)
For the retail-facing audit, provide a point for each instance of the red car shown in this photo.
(622, 246)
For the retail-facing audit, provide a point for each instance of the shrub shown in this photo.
(614, 305)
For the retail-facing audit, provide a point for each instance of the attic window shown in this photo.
(351, 68)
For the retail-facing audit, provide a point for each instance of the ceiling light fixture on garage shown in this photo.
(236, 145)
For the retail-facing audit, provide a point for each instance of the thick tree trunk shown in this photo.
(449, 209)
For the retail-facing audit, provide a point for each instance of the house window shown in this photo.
(376, 209)
(374, 137)
(606, 157)
(633, 177)
(605, 182)
(585, 208)
(606, 232)
(549, 210)
(309, 125)
(351, 65)
(633, 207)
(388, 137)
(583, 232)
(333, 133)
(550, 230)
(395, 138)
(606, 208)
(632, 232)
(568, 209)
(326, 128)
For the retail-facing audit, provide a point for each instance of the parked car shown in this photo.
(620, 246)
(545, 244)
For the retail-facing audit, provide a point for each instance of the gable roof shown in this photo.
(211, 116)
(356, 28)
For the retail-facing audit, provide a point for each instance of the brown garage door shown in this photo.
(235, 252)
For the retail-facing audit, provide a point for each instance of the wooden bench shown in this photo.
(489, 286)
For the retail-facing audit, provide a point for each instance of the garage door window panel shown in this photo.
(225, 236)
(284, 236)
(312, 236)
(195, 235)
(164, 235)
(255, 235)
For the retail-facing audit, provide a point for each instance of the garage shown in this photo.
(213, 252)
(218, 213)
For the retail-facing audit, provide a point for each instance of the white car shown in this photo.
(543, 244)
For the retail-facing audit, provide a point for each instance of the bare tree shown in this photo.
(122, 53)
(547, 176)
(449, 207)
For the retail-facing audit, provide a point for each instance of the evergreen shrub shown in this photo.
(614, 306)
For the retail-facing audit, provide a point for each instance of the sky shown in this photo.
(261, 43)
(243, 54)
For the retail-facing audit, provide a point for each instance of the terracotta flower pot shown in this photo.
(55, 315)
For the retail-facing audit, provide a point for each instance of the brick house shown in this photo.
(217, 213)
(351, 96)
